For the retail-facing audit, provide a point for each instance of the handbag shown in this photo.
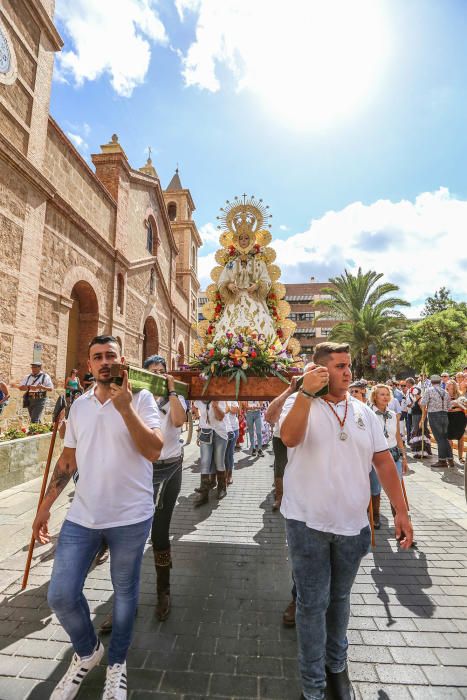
(206, 435)
(395, 453)
(26, 400)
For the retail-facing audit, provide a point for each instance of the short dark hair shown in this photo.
(155, 360)
(324, 350)
(102, 340)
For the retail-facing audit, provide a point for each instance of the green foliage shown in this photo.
(367, 313)
(39, 428)
(32, 429)
(439, 302)
(438, 342)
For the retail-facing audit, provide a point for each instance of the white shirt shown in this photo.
(390, 423)
(394, 405)
(41, 378)
(115, 480)
(208, 420)
(326, 482)
(172, 445)
(233, 417)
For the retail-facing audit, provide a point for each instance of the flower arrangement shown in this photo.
(239, 356)
(32, 429)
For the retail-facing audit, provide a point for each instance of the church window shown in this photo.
(172, 211)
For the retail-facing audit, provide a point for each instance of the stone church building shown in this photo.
(83, 251)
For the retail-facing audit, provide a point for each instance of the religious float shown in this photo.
(245, 349)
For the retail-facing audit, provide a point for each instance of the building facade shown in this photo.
(313, 325)
(83, 251)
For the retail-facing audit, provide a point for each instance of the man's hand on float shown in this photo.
(315, 378)
(170, 382)
(404, 529)
(121, 395)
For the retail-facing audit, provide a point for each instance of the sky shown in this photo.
(348, 118)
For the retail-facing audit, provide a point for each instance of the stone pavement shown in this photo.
(231, 581)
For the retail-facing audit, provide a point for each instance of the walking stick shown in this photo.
(372, 522)
(405, 494)
(58, 409)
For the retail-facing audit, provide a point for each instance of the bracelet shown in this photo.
(172, 393)
(307, 394)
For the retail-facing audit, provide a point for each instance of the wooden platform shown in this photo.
(221, 389)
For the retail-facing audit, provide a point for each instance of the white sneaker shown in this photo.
(115, 683)
(68, 687)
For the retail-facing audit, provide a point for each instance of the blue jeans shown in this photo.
(253, 421)
(439, 425)
(375, 486)
(230, 451)
(324, 569)
(213, 452)
(76, 548)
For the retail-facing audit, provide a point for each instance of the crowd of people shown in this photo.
(337, 445)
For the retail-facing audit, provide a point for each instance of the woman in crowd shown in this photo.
(380, 397)
(457, 419)
(232, 436)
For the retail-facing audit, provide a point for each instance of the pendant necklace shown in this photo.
(343, 435)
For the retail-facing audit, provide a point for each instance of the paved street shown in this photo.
(231, 581)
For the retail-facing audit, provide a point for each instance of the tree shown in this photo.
(368, 316)
(441, 301)
(437, 342)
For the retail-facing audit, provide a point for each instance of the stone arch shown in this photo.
(152, 233)
(83, 323)
(120, 292)
(150, 338)
(172, 211)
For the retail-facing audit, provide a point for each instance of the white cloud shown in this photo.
(283, 227)
(418, 245)
(78, 140)
(309, 62)
(209, 233)
(109, 38)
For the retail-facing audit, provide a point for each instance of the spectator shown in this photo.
(444, 379)
(437, 403)
(457, 418)
(232, 436)
(253, 421)
(4, 396)
(36, 385)
(358, 390)
(213, 437)
(88, 380)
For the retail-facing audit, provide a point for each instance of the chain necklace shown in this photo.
(343, 435)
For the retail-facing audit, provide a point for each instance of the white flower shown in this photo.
(225, 351)
(209, 346)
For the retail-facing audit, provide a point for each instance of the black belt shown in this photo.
(163, 462)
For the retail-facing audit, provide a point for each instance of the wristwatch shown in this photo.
(306, 393)
(172, 393)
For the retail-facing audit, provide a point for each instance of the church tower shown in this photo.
(180, 208)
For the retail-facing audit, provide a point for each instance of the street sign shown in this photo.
(37, 352)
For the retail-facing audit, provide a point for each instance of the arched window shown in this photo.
(149, 238)
(152, 281)
(173, 329)
(120, 292)
(193, 257)
(172, 211)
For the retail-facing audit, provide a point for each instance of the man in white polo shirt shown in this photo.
(332, 441)
(112, 437)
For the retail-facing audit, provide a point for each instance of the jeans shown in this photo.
(36, 410)
(214, 451)
(253, 421)
(439, 425)
(76, 548)
(167, 478)
(280, 457)
(375, 486)
(230, 451)
(324, 569)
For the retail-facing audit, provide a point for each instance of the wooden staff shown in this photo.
(43, 487)
(372, 522)
(405, 494)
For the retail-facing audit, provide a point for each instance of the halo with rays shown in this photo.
(245, 209)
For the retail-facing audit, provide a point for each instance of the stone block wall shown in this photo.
(25, 459)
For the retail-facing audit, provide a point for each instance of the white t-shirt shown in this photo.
(41, 378)
(115, 480)
(394, 405)
(172, 445)
(233, 417)
(208, 420)
(390, 423)
(326, 482)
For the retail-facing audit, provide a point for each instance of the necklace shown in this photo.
(342, 435)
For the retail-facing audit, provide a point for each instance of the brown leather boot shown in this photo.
(163, 563)
(203, 495)
(213, 480)
(288, 617)
(451, 462)
(278, 485)
(376, 501)
(221, 486)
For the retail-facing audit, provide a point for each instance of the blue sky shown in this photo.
(347, 118)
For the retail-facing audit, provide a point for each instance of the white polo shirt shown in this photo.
(326, 483)
(208, 420)
(115, 480)
(172, 445)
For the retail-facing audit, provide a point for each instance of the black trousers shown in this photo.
(280, 457)
(168, 479)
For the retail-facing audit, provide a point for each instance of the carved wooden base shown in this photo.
(221, 389)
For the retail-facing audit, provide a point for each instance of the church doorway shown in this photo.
(150, 338)
(82, 327)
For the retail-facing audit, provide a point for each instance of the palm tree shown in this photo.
(367, 315)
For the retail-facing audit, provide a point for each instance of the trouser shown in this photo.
(253, 421)
(375, 485)
(280, 457)
(324, 569)
(167, 482)
(76, 548)
(213, 451)
(408, 423)
(230, 450)
(439, 425)
(36, 409)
